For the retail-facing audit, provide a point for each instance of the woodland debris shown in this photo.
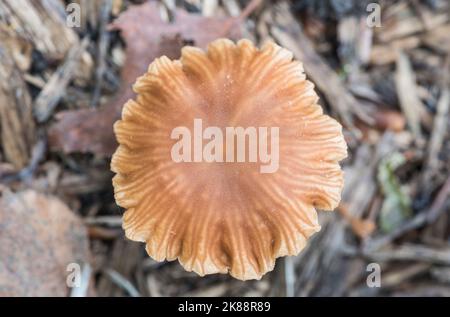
(387, 53)
(389, 120)
(407, 93)
(404, 274)
(424, 217)
(55, 88)
(438, 134)
(361, 228)
(40, 23)
(91, 130)
(400, 20)
(103, 44)
(17, 125)
(289, 34)
(34, 42)
(410, 252)
(40, 238)
(122, 282)
(396, 206)
(438, 39)
(442, 274)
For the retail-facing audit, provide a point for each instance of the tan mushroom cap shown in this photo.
(226, 217)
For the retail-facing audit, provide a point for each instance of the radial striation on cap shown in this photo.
(226, 217)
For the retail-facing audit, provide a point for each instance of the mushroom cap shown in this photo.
(226, 217)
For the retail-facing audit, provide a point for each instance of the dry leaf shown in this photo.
(407, 91)
(386, 119)
(147, 37)
(362, 228)
(39, 237)
(396, 207)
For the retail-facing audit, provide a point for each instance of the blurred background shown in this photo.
(380, 67)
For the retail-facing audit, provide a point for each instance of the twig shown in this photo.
(441, 274)
(439, 129)
(424, 217)
(37, 154)
(102, 233)
(24, 174)
(420, 12)
(411, 105)
(289, 276)
(244, 15)
(249, 9)
(232, 7)
(209, 7)
(122, 282)
(112, 221)
(55, 88)
(411, 253)
(404, 274)
(289, 34)
(101, 51)
(410, 225)
(439, 202)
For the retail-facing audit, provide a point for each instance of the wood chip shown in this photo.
(55, 88)
(17, 124)
(40, 22)
(410, 102)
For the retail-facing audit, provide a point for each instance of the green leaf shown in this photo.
(396, 206)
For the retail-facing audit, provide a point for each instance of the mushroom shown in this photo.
(226, 216)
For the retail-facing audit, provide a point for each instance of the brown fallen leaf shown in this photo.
(39, 237)
(147, 36)
(386, 119)
(362, 228)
